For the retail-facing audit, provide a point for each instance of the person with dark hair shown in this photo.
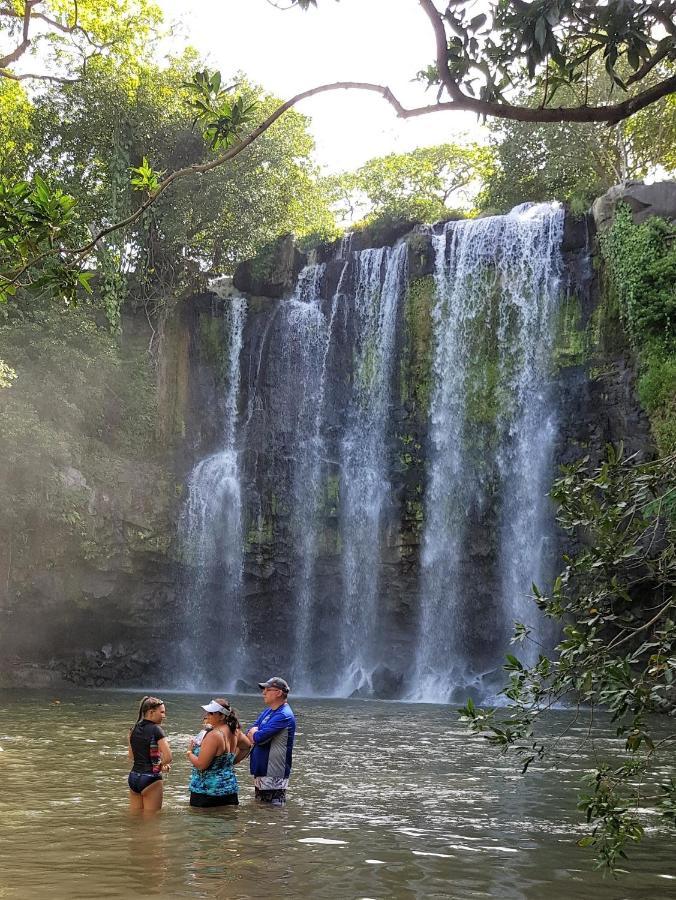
(213, 781)
(148, 748)
(272, 735)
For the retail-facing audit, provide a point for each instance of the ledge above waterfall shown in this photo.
(273, 272)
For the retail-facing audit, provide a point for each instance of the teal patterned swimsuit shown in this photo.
(216, 781)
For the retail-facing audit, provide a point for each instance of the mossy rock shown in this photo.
(415, 374)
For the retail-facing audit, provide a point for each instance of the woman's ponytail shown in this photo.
(147, 703)
(143, 708)
(230, 715)
(232, 721)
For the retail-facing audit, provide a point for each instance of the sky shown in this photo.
(381, 41)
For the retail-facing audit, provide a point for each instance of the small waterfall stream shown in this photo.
(315, 330)
(210, 531)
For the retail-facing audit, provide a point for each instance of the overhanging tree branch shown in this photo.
(24, 44)
(441, 42)
(29, 40)
(37, 76)
(608, 114)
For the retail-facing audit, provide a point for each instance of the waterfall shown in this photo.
(210, 530)
(364, 481)
(311, 331)
(305, 507)
(492, 428)
(305, 342)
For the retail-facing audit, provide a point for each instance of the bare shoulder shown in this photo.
(215, 739)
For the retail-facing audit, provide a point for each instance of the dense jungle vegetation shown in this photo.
(128, 179)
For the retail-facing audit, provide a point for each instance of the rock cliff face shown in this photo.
(594, 384)
(93, 580)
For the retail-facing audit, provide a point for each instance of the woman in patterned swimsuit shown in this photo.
(213, 781)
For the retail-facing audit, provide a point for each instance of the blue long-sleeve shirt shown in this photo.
(273, 743)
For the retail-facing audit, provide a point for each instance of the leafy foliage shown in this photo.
(67, 36)
(641, 266)
(221, 117)
(7, 374)
(651, 134)
(15, 128)
(642, 260)
(571, 163)
(576, 162)
(616, 599)
(145, 178)
(111, 137)
(34, 220)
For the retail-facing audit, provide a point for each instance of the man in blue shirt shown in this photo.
(272, 736)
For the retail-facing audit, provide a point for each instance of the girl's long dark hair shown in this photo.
(147, 703)
(230, 716)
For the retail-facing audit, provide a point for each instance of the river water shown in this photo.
(388, 800)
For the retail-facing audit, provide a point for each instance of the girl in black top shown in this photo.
(151, 754)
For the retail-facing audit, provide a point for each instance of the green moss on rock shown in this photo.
(573, 343)
(416, 364)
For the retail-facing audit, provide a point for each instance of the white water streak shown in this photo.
(516, 259)
(365, 485)
(211, 524)
(308, 469)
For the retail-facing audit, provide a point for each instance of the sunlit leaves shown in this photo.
(423, 185)
(35, 220)
(70, 35)
(145, 178)
(222, 116)
(7, 375)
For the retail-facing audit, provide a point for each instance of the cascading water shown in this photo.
(305, 342)
(310, 331)
(210, 532)
(525, 460)
(491, 438)
(364, 481)
(315, 488)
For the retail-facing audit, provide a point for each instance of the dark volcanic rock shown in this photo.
(273, 272)
(387, 683)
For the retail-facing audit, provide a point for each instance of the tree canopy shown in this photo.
(423, 185)
(481, 63)
(62, 36)
(576, 162)
(94, 132)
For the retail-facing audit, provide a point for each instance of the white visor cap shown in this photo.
(215, 707)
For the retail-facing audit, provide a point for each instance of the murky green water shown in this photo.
(388, 801)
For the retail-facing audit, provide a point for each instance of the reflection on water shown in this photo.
(388, 801)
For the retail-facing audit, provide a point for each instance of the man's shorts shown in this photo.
(271, 790)
(273, 797)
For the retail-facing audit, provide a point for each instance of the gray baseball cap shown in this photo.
(275, 682)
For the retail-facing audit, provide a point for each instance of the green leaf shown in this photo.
(541, 30)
